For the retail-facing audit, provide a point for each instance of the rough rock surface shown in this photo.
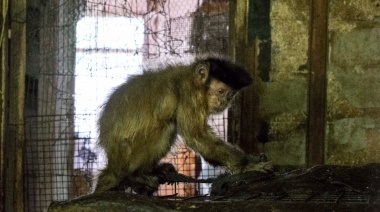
(238, 192)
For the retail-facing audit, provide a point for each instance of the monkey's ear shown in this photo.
(201, 74)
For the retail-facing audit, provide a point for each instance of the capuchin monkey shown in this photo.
(142, 117)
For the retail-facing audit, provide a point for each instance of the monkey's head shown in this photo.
(223, 79)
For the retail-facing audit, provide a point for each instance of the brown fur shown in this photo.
(141, 119)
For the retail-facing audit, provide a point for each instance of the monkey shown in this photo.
(140, 120)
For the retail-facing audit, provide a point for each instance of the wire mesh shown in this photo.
(78, 51)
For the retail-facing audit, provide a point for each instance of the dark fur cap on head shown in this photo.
(228, 72)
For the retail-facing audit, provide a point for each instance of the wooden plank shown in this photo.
(249, 23)
(3, 67)
(237, 32)
(241, 125)
(14, 124)
(317, 82)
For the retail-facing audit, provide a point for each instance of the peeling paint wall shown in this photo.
(353, 92)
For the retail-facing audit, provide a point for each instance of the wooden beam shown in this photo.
(243, 50)
(317, 82)
(249, 25)
(3, 68)
(237, 42)
(14, 108)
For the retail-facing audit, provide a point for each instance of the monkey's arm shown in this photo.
(201, 138)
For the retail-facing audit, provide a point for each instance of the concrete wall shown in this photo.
(353, 74)
(283, 102)
(353, 92)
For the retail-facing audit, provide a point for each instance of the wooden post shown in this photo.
(317, 82)
(14, 108)
(249, 25)
(4, 46)
(238, 50)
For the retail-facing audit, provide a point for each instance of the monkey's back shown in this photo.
(142, 105)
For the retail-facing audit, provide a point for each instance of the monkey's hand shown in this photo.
(257, 163)
(264, 167)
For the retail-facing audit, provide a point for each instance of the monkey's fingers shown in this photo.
(264, 167)
(256, 158)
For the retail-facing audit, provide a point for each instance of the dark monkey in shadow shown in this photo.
(142, 117)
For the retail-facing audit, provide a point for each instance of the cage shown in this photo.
(77, 52)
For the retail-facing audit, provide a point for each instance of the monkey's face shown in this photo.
(219, 96)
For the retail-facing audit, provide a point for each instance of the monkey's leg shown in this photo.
(142, 182)
(147, 182)
(117, 163)
(140, 166)
(109, 177)
(150, 174)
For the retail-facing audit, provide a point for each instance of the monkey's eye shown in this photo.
(221, 91)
